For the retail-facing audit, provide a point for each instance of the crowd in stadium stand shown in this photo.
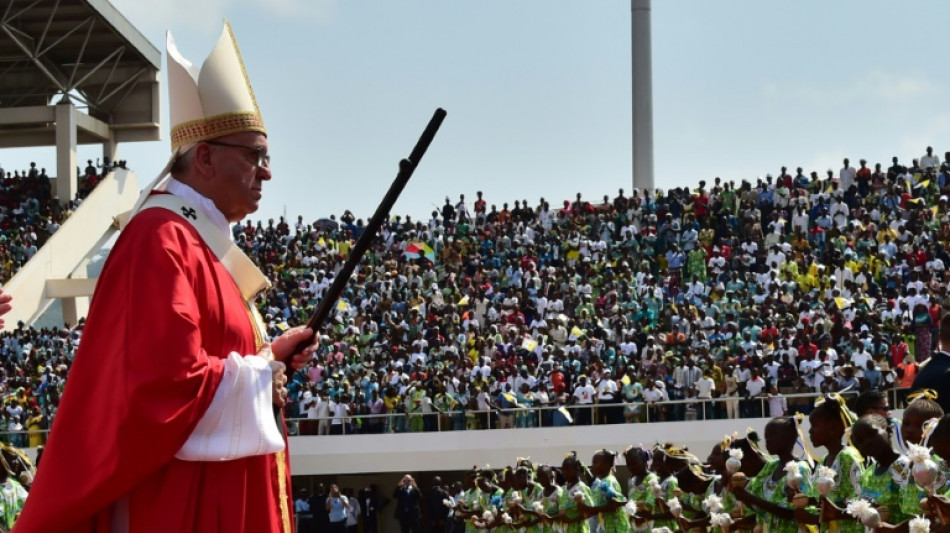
(848, 475)
(34, 361)
(30, 212)
(735, 298)
(743, 293)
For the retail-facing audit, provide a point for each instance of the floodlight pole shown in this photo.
(642, 94)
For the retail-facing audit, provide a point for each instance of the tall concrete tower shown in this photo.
(642, 94)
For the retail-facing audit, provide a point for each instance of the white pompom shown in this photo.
(712, 504)
(919, 524)
(720, 520)
(631, 508)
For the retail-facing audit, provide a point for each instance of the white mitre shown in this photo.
(206, 103)
(213, 101)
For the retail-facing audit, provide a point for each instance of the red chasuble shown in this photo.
(164, 316)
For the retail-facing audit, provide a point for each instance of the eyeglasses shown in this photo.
(263, 159)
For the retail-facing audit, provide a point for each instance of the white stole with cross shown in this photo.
(240, 421)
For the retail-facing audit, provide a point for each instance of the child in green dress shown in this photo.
(507, 498)
(708, 485)
(468, 504)
(917, 414)
(608, 498)
(12, 498)
(489, 499)
(667, 459)
(921, 408)
(939, 503)
(526, 493)
(695, 485)
(753, 462)
(575, 492)
(882, 480)
(769, 492)
(550, 496)
(640, 488)
(828, 422)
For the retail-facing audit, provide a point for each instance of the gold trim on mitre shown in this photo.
(217, 126)
(212, 102)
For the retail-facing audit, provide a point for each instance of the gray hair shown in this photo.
(183, 163)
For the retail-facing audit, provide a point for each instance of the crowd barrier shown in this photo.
(590, 414)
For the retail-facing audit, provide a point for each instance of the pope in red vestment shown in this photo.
(166, 423)
(164, 316)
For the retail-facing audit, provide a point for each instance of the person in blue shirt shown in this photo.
(337, 504)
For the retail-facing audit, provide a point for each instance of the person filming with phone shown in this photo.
(337, 504)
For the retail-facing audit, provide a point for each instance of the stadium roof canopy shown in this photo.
(81, 51)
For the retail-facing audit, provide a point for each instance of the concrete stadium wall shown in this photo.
(460, 450)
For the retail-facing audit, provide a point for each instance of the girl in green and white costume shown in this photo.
(881, 481)
(829, 420)
(768, 492)
(920, 426)
(507, 499)
(608, 497)
(575, 491)
(667, 459)
(468, 504)
(700, 486)
(12, 499)
(526, 492)
(640, 488)
(489, 499)
(550, 496)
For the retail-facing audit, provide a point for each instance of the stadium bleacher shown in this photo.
(723, 300)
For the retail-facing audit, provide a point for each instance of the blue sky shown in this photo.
(538, 92)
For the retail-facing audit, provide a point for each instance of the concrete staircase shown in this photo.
(58, 270)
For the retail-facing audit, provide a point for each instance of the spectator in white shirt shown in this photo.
(778, 405)
(929, 161)
(846, 176)
(340, 411)
(742, 375)
(704, 388)
(607, 394)
(301, 505)
(654, 393)
(583, 396)
(755, 386)
(321, 409)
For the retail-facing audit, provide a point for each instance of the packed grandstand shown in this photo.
(722, 300)
(718, 301)
(35, 361)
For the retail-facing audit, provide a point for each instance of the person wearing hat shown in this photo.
(174, 374)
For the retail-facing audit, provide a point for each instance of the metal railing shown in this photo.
(21, 438)
(689, 409)
(535, 416)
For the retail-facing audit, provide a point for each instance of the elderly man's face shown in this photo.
(236, 183)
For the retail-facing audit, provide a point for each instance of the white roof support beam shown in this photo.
(70, 288)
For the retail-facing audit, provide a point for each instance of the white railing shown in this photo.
(645, 412)
(401, 422)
